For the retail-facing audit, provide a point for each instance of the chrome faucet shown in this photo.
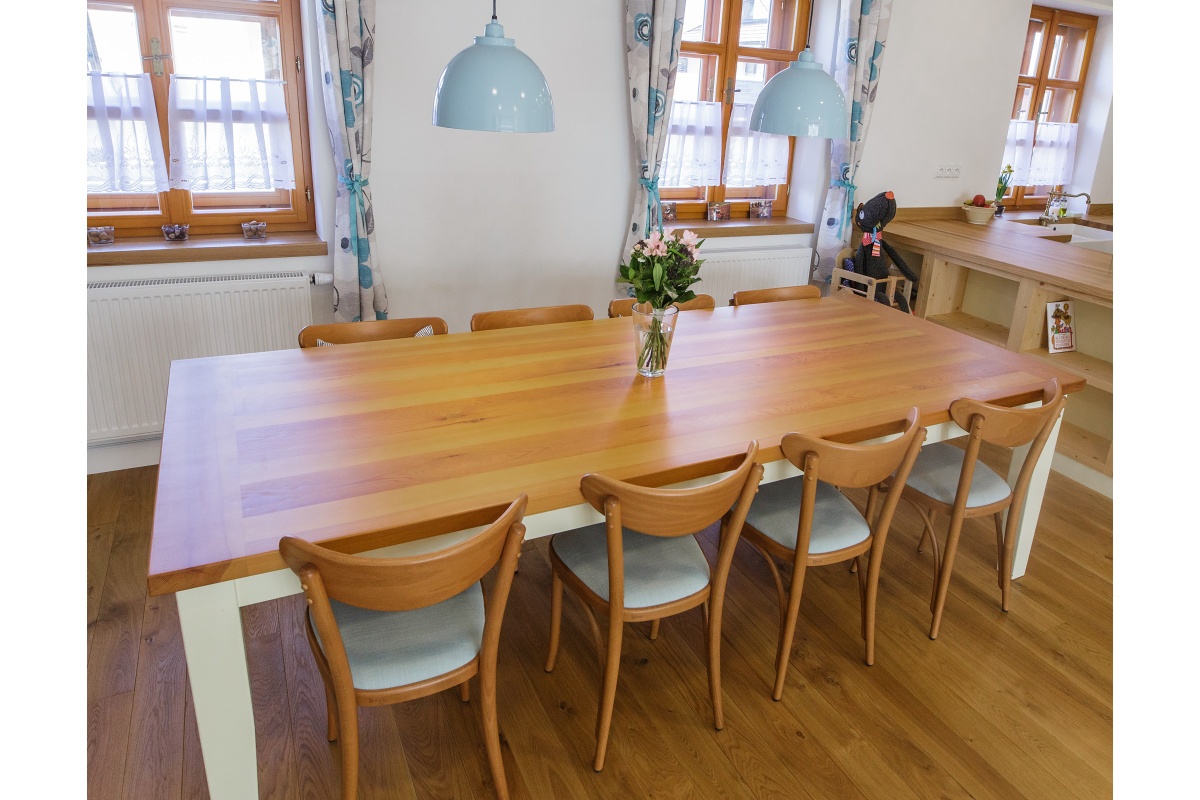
(1048, 218)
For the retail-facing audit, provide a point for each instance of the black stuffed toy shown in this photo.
(871, 218)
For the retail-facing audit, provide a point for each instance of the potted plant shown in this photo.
(1002, 187)
(661, 270)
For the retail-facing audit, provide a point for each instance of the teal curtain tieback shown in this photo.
(353, 183)
(848, 211)
(654, 204)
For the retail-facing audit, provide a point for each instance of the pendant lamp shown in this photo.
(493, 86)
(803, 100)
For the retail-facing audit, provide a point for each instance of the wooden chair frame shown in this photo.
(623, 307)
(776, 294)
(1007, 427)
(522, 317)
(369, 330)
(401, 584)
(867, 287)
(845, 466)
(654, 512)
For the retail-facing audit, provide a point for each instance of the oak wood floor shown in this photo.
(1001, 706)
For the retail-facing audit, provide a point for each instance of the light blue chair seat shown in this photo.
(937, 471)
(657, 569)
(837, 523)
(396, 648)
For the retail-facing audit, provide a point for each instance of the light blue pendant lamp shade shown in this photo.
(493, 86)
(803, 100)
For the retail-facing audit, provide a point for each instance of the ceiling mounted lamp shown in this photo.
(803, 100)
(493, 86)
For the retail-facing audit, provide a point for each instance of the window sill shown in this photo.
(710, 229)
(156, 250)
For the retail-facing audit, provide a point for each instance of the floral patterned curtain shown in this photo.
(653, 31)
(859, 40)
(347, 51)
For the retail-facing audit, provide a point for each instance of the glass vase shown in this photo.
(652, 332)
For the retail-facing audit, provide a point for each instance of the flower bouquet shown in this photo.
(1002, 186)
(661, 270)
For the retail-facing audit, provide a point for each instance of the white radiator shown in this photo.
(136, 328)
(752, 262)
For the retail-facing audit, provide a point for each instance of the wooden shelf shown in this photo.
(973, 326)
(1097, 372)
(1086, 447)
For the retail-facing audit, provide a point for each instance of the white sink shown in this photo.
(1085, 236)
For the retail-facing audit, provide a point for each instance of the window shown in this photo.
(1058, 46)
(203, 94)
(730, 49)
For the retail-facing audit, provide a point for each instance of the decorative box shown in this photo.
(254, 229)
(718, 211)
(175, 233)
(761, 208)
(100, 235)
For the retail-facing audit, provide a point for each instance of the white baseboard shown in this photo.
(1096, 481)
(110, 457)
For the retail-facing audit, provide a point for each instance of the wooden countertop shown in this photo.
(1009, 247)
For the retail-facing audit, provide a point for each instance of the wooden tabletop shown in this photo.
(362, 445)
(1010, 247)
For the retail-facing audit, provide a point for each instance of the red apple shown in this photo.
(979, 201)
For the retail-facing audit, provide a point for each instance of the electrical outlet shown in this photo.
(947, 170)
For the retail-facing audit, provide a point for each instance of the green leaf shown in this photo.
(658, 276)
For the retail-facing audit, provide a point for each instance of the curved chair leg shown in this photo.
(863, 580)
(556, 593)
(999, 519)
(654, 629)
(348, 718)
(870, 596)
(331, 706)
(491, 730)
(788, 631)
(1006, 562)
(464, 691)
(943, 582)
(608, 687)
(713, 652)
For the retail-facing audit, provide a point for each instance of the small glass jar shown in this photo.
(254, 229)
(175, 233)
(100, 235)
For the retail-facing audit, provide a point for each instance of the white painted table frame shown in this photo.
(211, 622)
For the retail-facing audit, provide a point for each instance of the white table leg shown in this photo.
(216, 658)
(1033, 502)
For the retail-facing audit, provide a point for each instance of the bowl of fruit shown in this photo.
(978, 211)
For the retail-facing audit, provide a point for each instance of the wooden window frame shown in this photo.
(175, 206)
(1036, 196)
(692, 203)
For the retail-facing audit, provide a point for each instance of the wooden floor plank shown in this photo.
(1000, 706)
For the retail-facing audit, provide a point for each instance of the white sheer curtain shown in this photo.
(692, 155)
(124, 149)
(753, 158)
(1048, 161)
(228, 134)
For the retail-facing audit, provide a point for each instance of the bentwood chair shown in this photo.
(370, 331)
(643, 563)
(387, 630)
(750, 296)
(520, 317)
(806, 520)
(623, 307)
(953, 482)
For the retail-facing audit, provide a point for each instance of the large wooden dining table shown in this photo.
(371, 445)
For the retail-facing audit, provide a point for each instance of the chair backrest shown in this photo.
(402, 584)
(673, 512)
(623, 307)
(854, 466)
(369, 330)
(1007, 427)
(521, 317)
(750, 296)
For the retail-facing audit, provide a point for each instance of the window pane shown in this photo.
(696, 77)
(1033, 47)
(1023, 104)
(754, 162)
(1057, 105)
(768, 24)
(702, 21)
(113, 44)
(1066, 60)
(218, 45)
(752, 76)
